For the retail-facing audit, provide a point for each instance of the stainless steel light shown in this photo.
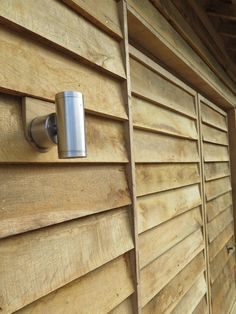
(66, 127)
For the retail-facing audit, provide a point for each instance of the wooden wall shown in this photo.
(141, 224)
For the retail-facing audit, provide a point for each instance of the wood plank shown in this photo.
(201, 308)
(153, 178)
(153, 117)
(157, 274)
(219, 242)
(150, 85)
(161, 39)
(213, 118)
(218, 205)
(216, 170)
(31, 204)
(152, 147)
(38, 17)
(124, 308)
(107, 286)
(223, 282)
(222, 10)
(105, 138)
(217, 187)
(220, 260)
(223, 303)
(157, 208)
(172, 293)
(30, 57)
(46, 254)
(213, 135)
(104, 16)
(214, 152)
(192, 298)
(217, 225)
(156, 241)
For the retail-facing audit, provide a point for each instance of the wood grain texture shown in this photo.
(104, 16)
(216, 170)
(55, 256)
(217, 187)
(150, 116)
(192, 298)
(70, 192)
(155, 209)
(213, 135)
(158, 273)
(166, 300)
(217, 225)
(56, 72)
(39, 17)
(202, 307)
(214, 152)
(163, 42)
(152, 178)
(151, 147)
(107, 286)
(158, 240)
(219, 242)
(212, 117)
(152, 86)
(220, 260)
(218, 205)
(105, 138)
(124, 308)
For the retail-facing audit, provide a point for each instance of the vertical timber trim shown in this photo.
(231, 120)
(204, 214)
(131, 165)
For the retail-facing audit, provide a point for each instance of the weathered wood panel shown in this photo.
(153, 178)
(213, 135)
(214, 152)
(216, 170)
(29, 203)
(213, 117)
(39, 17)
(150, 116)
(150, 85)
(151, 147)
(217, 187)
(155, 209)
(55, 72)
(125, 307)
(158, 273)
(105, 138)
(220, 260)
(218, 205)
(217, 225)
(104, 16)
(83, 245)
(192, 298)
(219, 242)
(172, 293)
(158, 240)
(107, 286)
(202, 307)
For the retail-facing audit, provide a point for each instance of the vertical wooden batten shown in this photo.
(131, 165)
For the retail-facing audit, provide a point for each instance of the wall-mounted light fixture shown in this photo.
(65, 127)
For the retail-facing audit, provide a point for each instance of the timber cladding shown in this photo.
(144, 224)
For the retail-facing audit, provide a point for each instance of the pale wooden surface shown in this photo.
(104, 16)
(107, 286)
(56, 72)
(72, 33)
(167, 299)
(55, 256)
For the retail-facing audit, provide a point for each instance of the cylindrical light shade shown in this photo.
(70, 125)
